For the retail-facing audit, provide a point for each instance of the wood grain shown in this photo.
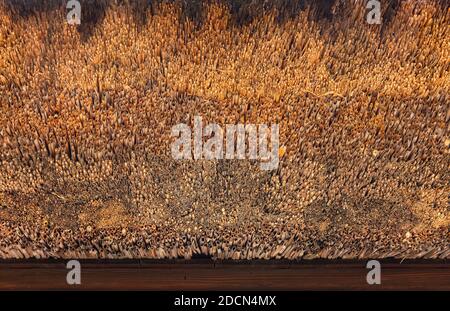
(208, 275)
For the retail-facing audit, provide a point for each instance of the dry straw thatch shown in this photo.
(86, 113)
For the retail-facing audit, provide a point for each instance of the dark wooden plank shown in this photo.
(225, 276)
